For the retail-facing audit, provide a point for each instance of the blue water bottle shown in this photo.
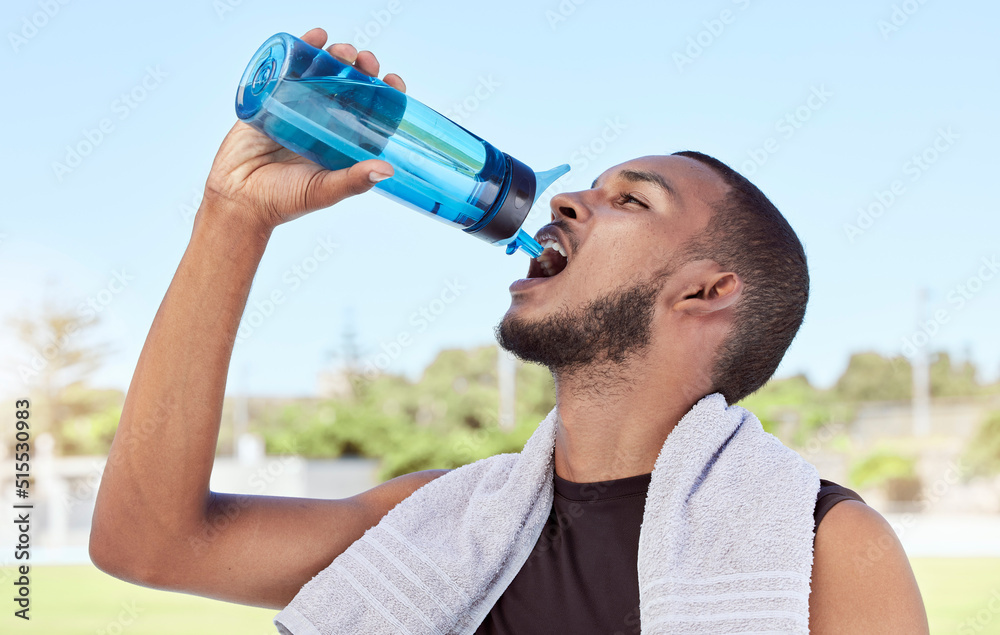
(313, 104)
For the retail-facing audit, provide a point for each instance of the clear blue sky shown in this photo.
(863, 100)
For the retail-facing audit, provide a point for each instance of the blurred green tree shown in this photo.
(983, 451)
(793, 409)
(447, 419)
(949, 380)
(871, 377)
(61, 353)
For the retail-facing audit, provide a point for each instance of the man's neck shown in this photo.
(614, 419)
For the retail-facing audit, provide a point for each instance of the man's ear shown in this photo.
(713, 291)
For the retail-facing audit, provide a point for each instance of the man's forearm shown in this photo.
(155, 485)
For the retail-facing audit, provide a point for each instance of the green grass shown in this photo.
(957, 590)
(82, 600)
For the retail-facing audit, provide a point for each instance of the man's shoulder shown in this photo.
(830, 495)
(861, 578)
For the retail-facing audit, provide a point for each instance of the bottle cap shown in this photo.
(517, 193)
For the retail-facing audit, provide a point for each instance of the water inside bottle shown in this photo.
(337, 121)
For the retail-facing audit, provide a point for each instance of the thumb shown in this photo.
(334, 186)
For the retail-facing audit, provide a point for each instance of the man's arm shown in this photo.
(155, 521)
(861, 579)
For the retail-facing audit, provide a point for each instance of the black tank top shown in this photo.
(581, 576)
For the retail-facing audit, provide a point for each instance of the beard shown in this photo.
(611, 329)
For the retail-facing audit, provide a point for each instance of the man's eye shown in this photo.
(625, 198)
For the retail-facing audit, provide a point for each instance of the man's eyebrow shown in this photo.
(642, 176)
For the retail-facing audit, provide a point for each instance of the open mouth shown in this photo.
(552, 260)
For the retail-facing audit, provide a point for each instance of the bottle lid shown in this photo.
(517, 194)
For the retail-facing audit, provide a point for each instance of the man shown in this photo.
(637, 323)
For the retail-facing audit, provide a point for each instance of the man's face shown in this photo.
(617, 236)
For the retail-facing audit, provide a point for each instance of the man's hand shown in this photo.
(269, 184)
(156, 522)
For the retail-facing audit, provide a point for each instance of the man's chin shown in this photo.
(544, 339)
(614, 327)
(510, 334)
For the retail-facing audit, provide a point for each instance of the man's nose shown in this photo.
(569, 205)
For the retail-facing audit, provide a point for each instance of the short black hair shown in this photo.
(749, 236)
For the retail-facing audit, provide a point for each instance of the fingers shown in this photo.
(395, 81)
(343, 52)
(367, 63)
(364, 61)
(335, 186)
(315, 37)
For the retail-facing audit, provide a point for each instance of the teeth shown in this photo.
(549, 243)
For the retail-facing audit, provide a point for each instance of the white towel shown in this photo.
(725, 544)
